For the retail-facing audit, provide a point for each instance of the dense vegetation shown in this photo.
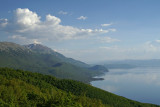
(38, 58)
(18, 88)
(23, 88)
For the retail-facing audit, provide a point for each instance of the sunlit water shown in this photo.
(140, 84)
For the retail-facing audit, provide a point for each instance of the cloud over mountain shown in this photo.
(27, 25)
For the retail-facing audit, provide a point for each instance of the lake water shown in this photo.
(140, 84)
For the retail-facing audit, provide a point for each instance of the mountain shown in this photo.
(20, 88)
(39, 58)
(99, 68)
(45, 50)
(9, 46)
(143, 63)
(126, 64)
(119, 66)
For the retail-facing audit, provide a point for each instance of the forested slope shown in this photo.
(23, 88)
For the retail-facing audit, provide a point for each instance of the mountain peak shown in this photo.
(39, 48)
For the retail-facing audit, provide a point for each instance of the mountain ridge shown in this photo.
(36, 60)
(45, 50)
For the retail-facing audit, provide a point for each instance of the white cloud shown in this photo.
(109, 47)
(3, 23)
(107, 39)
(82, 18)
(28, 25)
(158, 41)
(113, 30)
(25, 17)
(23, 40)
(148, 50)
(152, 46)
(105, 25)
(52, 20)
(63, 12)
(17, 37)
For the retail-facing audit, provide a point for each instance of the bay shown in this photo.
(140, 84)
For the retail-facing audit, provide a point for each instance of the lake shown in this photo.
(140, 84)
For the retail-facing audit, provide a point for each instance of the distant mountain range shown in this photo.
(39, 58)
(126, 64)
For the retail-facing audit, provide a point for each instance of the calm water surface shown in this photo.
(140, 84)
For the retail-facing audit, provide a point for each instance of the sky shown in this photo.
(87, 30)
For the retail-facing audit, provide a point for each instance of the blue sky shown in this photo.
(87, 30)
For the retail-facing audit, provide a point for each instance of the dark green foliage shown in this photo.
(23, 88)
(26, 89)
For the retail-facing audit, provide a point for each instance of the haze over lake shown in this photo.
(140, 84)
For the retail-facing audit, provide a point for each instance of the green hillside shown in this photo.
(38, 48)
(41, 59)
(26, 89)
